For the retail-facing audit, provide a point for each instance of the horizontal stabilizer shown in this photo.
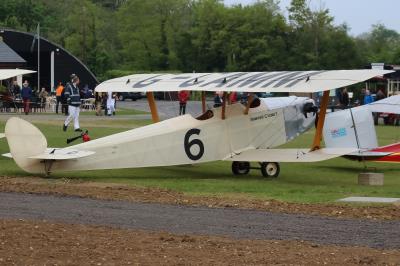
(2, 135)
(7, 155)
(62, 154)
(290, 155)
(369, 154)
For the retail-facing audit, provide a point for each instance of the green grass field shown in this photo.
(298, 182)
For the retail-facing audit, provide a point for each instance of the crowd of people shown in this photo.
(67, 99)
(366, 97)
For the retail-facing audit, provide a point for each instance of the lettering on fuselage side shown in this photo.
(228, 78)
(263, 116)
(146, 82)
(191, 81)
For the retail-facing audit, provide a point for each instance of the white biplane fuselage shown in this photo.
(176, 141)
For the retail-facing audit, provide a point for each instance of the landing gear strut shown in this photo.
(268, 169)
(240, 168)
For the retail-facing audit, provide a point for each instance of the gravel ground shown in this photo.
(236, 223)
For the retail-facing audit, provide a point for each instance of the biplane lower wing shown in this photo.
(290, 155)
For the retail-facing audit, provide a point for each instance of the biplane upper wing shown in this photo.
(278, 81)
(10, 73)
(289, 155)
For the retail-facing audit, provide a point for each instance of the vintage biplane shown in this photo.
(354, 128)
(233, 132)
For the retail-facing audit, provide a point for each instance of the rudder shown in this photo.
(25, 140)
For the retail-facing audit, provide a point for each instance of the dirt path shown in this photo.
(45, 243)
(236, 223)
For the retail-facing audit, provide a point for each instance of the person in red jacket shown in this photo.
(233, 97)
(183, 97)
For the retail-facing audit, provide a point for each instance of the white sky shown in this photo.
(359, 15)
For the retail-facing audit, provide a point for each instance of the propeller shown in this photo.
(309, 107)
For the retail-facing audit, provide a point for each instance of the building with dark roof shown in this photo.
(9, 58)
(20, 50)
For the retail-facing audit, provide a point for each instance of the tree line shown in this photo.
(117, 37)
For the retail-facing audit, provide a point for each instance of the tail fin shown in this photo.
(25, 140)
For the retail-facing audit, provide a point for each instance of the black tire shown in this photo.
(270, 169)
(121, 98)
(240, 168)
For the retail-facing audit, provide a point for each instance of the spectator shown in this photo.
(110, 103)
(16, 89)
(362, 96)
(64, 101)
(42, 97)
(380, 95)
(59, 91)
(345, 98)
(26, 94)
(98, 103)
(233, 97)
(368, 97)
(338, 94)
(183, 97)
(217, 100)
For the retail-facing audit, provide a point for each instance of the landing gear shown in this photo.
(268, 169)
(240, 168)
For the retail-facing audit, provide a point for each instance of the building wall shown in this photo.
(65, 63)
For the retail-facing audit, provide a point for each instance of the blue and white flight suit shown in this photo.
(74, 103)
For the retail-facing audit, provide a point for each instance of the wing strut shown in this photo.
(203, 101)
(321, 120)
(224, 105)
(153, 106)
(249, 101)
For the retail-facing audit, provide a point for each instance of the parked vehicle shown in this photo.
(122, 96)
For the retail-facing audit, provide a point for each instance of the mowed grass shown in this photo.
(325, 181)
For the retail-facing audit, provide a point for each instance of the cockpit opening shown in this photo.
(206, 115)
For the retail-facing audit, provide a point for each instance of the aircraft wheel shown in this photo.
(240, 168)
(269, 169)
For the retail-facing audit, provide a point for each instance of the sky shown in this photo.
(359, 15)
